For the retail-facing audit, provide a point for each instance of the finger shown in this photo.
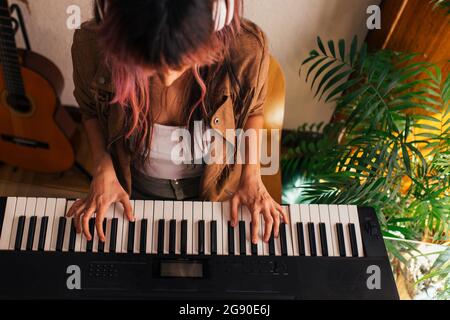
(283, 213)
(127, 209)
(99, 218)
(276, 222)
(255, 226)
(234, 210)
(268, 223)
(85, 222)
(74, 208)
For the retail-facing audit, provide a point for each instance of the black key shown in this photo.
(160, 248)
(254, 246)
(31, 232)
(283, 240)
(130, 242)
(3, 201)
(242, 238)
(201, 237)
(323, 239)
(213, 237)
(73, 236)
(272, 244)
(143, 244)
(19, 233)
(183, 245)
(61, 231)
(312, 239)
(301, 239)
(43, 233)
(172, 236)
(340, 234)
(230, 239)
(101, 244)
(90, 244)
(354, 244)
(113, 240)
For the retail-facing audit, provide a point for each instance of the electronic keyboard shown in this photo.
(189, 250)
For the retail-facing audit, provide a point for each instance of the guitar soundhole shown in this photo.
(19, 103)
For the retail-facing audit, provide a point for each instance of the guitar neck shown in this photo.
(9, 57)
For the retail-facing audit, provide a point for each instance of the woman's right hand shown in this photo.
(105, 190)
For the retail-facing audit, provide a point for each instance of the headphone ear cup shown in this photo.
(219, 14)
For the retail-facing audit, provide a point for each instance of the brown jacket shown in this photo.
(249, 59)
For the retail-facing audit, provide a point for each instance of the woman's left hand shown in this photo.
(253, 194)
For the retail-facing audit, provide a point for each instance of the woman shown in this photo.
(146, 69)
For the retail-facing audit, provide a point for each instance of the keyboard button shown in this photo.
(341, 241)
(217, 216)
(31, 233)
(312, 239)
(184, 233)
(283, 240)
(178, 217)
(242, 238)
(43, 233)
(61, 233)
(354, 245)
(230, 236)
(19, 233)
(143, 236)
(172, 235)
(323, 239)
(130, 240)
(201, 237)
(354, 218)
(301, 239)
(213, 237)
(113, 238)
(7, 226)
(161, 227)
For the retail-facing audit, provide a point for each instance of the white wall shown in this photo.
(292, 27)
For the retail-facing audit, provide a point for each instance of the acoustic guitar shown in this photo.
(34, 128)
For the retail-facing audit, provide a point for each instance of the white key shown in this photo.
(344, 219)
(207, 217)
(178, 216)
(277, 242)
(188, 216)
(197, 215)
(290, 249)
(325, 218)
(294, 215)
(109, 216)
(225, 220)
(29, 212)
(334, 220)
(305, 219)
(168, 215)
(50, 213)
(138, 216)
(125, 226)
(118, 213)
(158, 214)
(8, 223)
(148, 214)
(315, 218)
(217, 216)
(66, 242)
(60, 212)
(39, 213)
(247, 218)
(354, 218)
(19, 211)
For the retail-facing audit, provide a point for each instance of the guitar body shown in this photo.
(36, 137)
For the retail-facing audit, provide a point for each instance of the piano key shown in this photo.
(197, 215)
(43, 234)
(265, 245)
(168, 215)
(126, 229)
(315, 219)
(60, 211)
(18, 212)
(325, 219)
(254, 247)
(39, 213)
(290, 249)
(334, 220)
(323, 239)
(201, 237)
(354, 245)
(217, 216)
(305, 219)
(178, 217)
(172, 235)
(67, 231)
(61, 234)
(143, 236)
(31, 233)
(301, 239)
(225, 228)
(341, 241)
(7, 226)
(242, 238)
(161, 228)
(130, 234)
(184, 234)
(148, 215)
(101, 244)
(207, 217)
(272, 245)
(108, 218)
(138, 216)
(113, 238)
(230, 236)
(213, 236)
(30, 208)
(118, 213)
(294, 215)
(187, 216)
(73, 236)
(50, 209)
(283, 239)
(344, 219)
(90, 243)
(277, 243)
(312, 239)
(247, 218)
(237, 246)
(19, 233)
(354, 218)
(158, 214)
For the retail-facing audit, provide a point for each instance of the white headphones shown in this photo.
(223, 13)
